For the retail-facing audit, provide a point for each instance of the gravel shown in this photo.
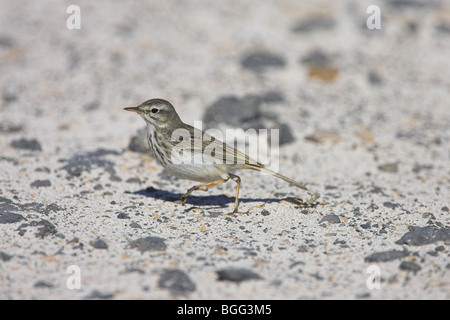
(363, 119)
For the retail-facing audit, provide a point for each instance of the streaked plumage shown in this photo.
(189, 153)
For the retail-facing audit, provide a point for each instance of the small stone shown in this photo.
(40, 183)
(135, 225)
(9, 217)
(43, 284)
(237, 275)
(148, 244)
(311, 24)
(385, 256)
(330, 218)
(260, 61)
(389, 167)
(366, 225)
(99, 244)
(419, 236)
(409, 266)
(265, 212)
(176, 281)
(139, 143)
(123, 215)
(5, 257)
(26, 144)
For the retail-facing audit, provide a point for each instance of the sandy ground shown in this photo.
(83, 216)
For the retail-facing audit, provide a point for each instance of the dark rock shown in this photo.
(260, 61)
(311, 24)
(10, 128)
(390, 205)
(123, 215)
(148, 244)
(9, 217)
(26, 144)
(374, 78)
(40, 183)
(237, 275)
(45, 228)
(43, 284)
(135, 225)
(366, 225)
(443, 27)
(232, 111)
(411, 4)
(386, 256)
(265, 212)
(97, 295)
(139, 143)
(86, 162)
(246, 113)
(5, 257)
(419, 236)
(388, 167)
(6, 42)
(176, 281)
(99, 244)
(316, 58)
(330, 218)
(409, 266)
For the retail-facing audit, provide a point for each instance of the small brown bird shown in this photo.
(189, 153)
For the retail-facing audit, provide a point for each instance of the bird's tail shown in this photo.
(261, 168)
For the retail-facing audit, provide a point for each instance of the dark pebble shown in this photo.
(388, 167)
(45, 228)
(386, 256)
(419, 236)
(43, 284)
(40, 183)
(237, 275)
(99, 244)
(409, 266)
(176, 281)
(316, 58)
(123, 215)
(390, 205)
(9, 217)
(366, 225)
(330, 218)
(148, 244)
(26, 144)
(311, 24)
(260, 61)
(138, 142)
(5, 257)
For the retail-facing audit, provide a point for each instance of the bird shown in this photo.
(189, 153)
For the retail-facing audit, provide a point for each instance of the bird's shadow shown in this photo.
(220, 201)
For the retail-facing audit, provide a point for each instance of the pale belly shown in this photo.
(198, 172)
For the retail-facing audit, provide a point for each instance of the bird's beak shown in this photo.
(133, 109)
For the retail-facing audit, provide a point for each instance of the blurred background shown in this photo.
(312, 69)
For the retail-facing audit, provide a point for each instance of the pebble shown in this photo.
(261, 61)
(385, 256)
(176, 281)
(148, 244)
(330, 218)
(237, 275)
(420, 236)
(26, 144)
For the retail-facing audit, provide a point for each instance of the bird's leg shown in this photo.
(203, 187)
(236, 201)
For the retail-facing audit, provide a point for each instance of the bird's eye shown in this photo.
(154, 110)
